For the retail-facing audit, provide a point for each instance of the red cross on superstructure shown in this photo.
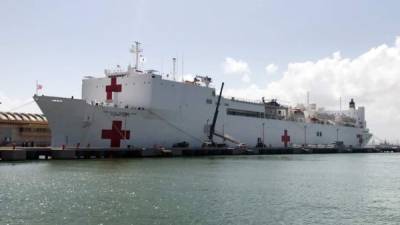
(285, 138)
(113, 87)
(116, 134)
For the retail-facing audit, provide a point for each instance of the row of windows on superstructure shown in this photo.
(125, 84)
(247, 113)
(133, 83)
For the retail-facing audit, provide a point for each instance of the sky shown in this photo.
(277, 49)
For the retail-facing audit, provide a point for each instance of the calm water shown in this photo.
(286, 189)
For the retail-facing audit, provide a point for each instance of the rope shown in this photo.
(84, 136)
(23, 105)
(116, 128)
(174, 126)
(151, 112)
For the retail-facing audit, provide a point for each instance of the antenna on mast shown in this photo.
(136, 50)
(182, 68)
(162, 66)
(173, 67)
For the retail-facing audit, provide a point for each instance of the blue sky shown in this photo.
(59, 42)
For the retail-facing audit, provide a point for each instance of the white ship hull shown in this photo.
(75, 122)
(141, 109)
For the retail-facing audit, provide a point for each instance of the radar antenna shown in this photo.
(135, 49)
(205, 79)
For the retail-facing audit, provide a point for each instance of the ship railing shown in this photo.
(189, 82)
(112, 105)
(111, 73)
(244, 100)
(252, 101)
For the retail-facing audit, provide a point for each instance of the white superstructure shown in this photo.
(134, 108)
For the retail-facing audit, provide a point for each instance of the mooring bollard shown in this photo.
(88, 146)
(63, 147)
(13, 146)
(77, 145)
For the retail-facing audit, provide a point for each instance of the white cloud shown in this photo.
(271, 68)
(246, 78)
(237, 67)
(232, 66)
(372, 79)
(252, 92)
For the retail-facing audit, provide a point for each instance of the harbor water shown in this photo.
(267, 189)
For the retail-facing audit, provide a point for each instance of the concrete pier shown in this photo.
(36, 153)
(13, 155)
(151, 152)
(63, 154)
(20, 154)
(176, 151)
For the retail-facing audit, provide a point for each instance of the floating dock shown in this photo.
(22, 154)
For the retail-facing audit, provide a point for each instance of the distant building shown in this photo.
(24, 129)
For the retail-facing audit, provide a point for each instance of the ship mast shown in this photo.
(136, 50)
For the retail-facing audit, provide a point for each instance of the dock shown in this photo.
(37, 153)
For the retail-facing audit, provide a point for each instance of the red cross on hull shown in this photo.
(113, 87)
(285, 138)
(116, 134)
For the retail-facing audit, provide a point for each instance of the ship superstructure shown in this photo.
(140, 108)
